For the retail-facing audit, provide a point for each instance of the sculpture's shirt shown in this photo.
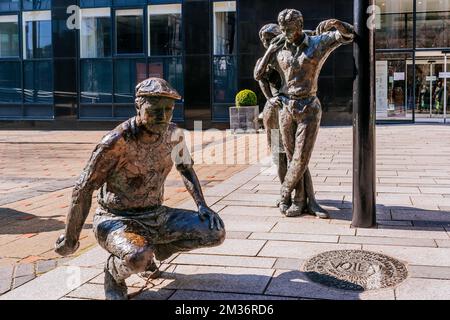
(136, 182)
(300, 66)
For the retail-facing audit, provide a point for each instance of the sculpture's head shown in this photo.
(291, 24)
(155, 100)
(268, 32)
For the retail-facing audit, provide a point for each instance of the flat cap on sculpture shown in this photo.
(156, 87)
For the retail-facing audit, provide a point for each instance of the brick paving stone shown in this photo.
(25, 269)
(208, 295)
(250, 211)
(93, 292)
(430, 289)
(154, 294)
(52, 285)
(237, 234)
(247, 225)
(5, 285)
(429, 272)
(294, 237)
(289, 249)
(407, 242)
(313, 228)
(443, 243)
(6, 272)
(404, 232)
(225, 261)
(17, 282)
(288, 264)
(439, 257)
(296, 284)
(45, 266)
(234, 247)
(219, 279)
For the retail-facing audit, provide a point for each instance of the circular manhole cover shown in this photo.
(355, 270)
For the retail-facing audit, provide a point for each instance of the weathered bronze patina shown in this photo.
(298, 58)
(130, 166)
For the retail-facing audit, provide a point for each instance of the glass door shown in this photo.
(432, 89)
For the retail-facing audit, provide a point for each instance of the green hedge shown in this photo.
(246, 98)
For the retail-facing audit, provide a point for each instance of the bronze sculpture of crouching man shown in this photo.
(130, 166)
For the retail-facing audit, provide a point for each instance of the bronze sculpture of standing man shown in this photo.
(299, 58)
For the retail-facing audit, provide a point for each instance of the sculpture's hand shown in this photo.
(326, 25)
(214, 220)
(277, 43)
(64, 247)
(276, 101)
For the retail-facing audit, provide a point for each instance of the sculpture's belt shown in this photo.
(300, 101)
(132, 212)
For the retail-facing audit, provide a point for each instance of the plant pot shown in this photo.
(244, 119)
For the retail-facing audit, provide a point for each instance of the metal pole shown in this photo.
(445, 88)
(431, 89)
(364, 158)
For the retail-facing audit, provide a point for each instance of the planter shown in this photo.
(244, 119)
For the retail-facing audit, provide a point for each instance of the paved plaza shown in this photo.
(264, 253)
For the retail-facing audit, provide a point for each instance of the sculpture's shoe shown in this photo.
(315, 209)
(283, 206)
(295, 210)
(152, 271)
(114, 290)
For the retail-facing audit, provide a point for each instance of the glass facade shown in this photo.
(9, 36)
(207, 50)
(224, 62)
(411, 40)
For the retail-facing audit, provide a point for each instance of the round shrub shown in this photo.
(246, 98)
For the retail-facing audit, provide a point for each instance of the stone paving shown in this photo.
(263, 254)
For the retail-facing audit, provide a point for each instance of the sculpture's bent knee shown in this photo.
(139, 260)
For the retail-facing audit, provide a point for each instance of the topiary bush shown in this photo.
(246, 98)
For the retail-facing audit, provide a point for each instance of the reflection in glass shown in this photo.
(95, 33)
(394, 86)
(170, 68)
(36, 4)
(165, 30)
(9, 36)
(38, 82)
(127, 74)
(225, 84)
(433, 19)
(129, 31)
(225, 27)
(394, 24)
(10, 82)
(96, 81)
(38, 39)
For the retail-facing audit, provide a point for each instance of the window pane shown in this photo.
(36, 4)
(38, 39)
(170, 69)
(94, 3)
(394, 86)
(225, 84)
(165, 32)
(394, 24)
(129, 32)
(9, 38)
(38, 82)
(95, 37)
(224, 27)
(10, 82)
(127, 74)
(96, 81)
(433, 19)
(9, 5)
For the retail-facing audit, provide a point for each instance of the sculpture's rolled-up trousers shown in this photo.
(299, 125)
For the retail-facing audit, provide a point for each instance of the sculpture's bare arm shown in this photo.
(92, 177)
(262, 65)
(193, 186)
(265, 88)
(344, 28)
